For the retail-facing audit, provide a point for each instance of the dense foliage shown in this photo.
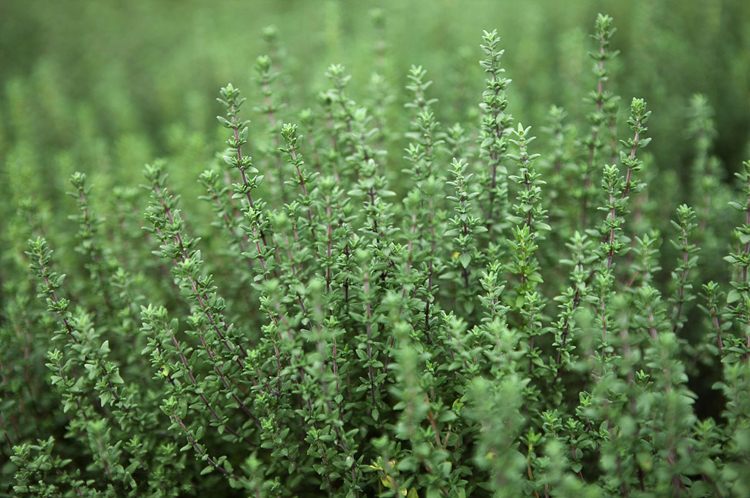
(371, 291)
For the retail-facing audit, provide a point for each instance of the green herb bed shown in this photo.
(372, 286)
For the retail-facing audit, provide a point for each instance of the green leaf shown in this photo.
(733, 296)
(115, 378)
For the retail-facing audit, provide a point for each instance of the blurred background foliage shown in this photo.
(105, 86)
(138, 73)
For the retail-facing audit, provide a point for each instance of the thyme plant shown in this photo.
(483, 315)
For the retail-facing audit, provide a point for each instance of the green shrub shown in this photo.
(486, 316)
